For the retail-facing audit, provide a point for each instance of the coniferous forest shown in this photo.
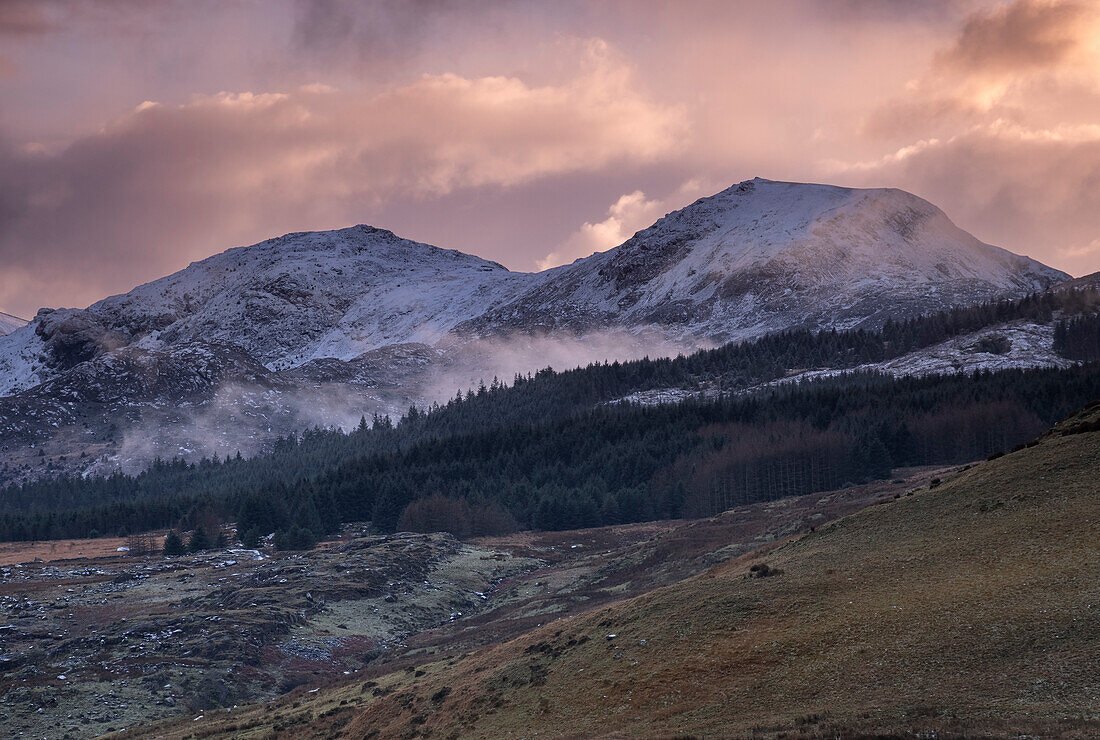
(550, 452)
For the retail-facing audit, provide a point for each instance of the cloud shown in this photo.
(626, 216)
(456, 131)
(382, 31)
(25, 18)
(1032, 63)
(166, 183)
(8, 68)
(1023, 35)
(1001, 131)
(1032, 190)
(488, 127)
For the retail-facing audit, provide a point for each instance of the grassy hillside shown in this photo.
(968, 609)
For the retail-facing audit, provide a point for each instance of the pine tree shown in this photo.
(298, 538)
(387, 509)
(173, 544)
(200, 540)
(251, 538)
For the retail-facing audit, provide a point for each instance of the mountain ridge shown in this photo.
(321, 327)
(759, 256)
(10, 322)
(749, 260)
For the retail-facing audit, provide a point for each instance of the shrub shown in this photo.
(995, 344)
(491, 519)
(763, 570)
(298, 538)
(200, 540)
(438, 513)
(173, 544)
(293, 680)
(251, 538)
(140, 544)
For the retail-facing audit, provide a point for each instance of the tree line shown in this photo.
(611, 464)
(548, 396)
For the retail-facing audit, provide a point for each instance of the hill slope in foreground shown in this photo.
(968, 609)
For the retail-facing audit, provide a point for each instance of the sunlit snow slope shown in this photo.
(763, 255)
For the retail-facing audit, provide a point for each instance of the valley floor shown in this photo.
(95, 641)
(966, 609)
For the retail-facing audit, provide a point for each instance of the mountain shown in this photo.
(363, 321)
(9, 323)
(285, 301)
(1090, 281)
(757, 257)
(763, 256)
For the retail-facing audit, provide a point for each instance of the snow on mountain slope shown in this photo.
(9, 323)
(318, 328)
(760, 256)
(22, 361)
(285, 301)
(312, 295)
(1018, 345)
(763, 255)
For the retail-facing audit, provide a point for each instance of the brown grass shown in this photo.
(48, 550)
(968, 610)
(965, 610)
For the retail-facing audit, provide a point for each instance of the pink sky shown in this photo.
(138, 137)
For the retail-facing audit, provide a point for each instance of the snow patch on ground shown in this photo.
(1018, 345)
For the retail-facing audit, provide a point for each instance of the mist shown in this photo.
(249, 418)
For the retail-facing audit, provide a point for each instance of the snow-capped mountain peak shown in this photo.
(759, 256)
(765, 255)
(292, 299)
(321, 327)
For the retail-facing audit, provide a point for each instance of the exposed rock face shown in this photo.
(71, 337)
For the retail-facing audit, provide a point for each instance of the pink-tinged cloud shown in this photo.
(1021, 35)
(500, 128)
(169, 183)
(1003, 130)
(631, 213)
(1035, 190)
